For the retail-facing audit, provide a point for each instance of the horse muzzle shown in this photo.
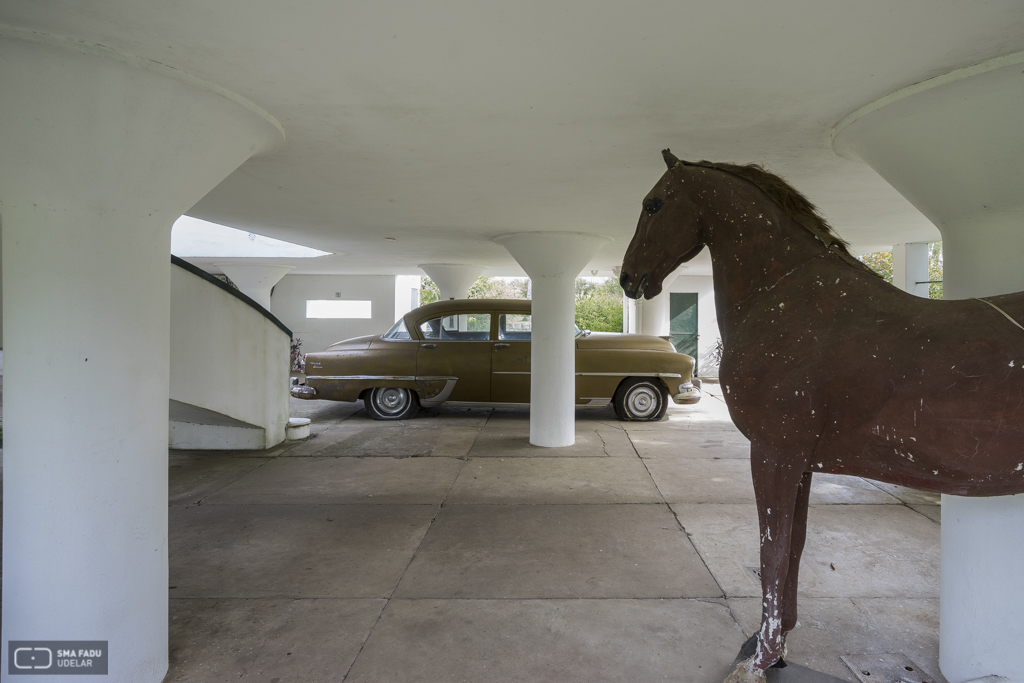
(625, 281)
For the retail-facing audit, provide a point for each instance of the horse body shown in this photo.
(878, 383)
(829, 369)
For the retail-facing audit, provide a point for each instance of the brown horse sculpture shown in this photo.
(829, 369)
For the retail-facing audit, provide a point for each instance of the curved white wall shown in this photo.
(226, 356)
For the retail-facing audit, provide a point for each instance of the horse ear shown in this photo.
(670, 158)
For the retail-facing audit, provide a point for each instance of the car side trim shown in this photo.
(668, 375)
(594, 401)
(593, 374)
(395, 378)
(484, 404)
(628, 374)
(449, 386)
(492, 404)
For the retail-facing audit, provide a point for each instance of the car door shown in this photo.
(510, 359)
(458, 345)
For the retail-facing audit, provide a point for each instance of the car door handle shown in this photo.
(428, 346)
(502, 346)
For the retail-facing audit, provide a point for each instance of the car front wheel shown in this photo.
(640, 400)
(391, 403)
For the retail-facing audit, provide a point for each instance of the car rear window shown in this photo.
(465, 327)
(514, 326)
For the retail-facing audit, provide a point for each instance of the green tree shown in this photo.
(499, 288)
(935, 270)
(598, 300)
(429, 292)
(483, 288)
(880, 262)
(599, 304)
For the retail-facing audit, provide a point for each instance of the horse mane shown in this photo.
(800, 209)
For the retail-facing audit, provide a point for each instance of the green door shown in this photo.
(683, 324)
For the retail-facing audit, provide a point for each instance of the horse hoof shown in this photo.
(742, 674)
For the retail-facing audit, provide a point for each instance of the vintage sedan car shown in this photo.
(476, 352)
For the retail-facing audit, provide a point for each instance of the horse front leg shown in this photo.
(796, 549)
(777, 486)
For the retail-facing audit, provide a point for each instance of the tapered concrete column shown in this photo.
(629, 315)
(653, 315)
(628, 307)
(100, 152)
(553, 260)
(454, 280)
(910, 267)
(255, 280)
(954, 147)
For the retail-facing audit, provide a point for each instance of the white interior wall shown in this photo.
(910, 268)
(288, 303)
(407, 294)
(707, 318)
(226, 356)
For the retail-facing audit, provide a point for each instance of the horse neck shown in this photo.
(753, 243)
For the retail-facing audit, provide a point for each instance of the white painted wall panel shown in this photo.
(288, 303)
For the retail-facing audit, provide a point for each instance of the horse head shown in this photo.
(667, 235)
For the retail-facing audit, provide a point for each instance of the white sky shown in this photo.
(198, 238)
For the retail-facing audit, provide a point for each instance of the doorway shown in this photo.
(683, 324)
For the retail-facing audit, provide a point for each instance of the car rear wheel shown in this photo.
(641, 400)
(391, 403)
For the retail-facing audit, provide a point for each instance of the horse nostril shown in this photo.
(624, 281)
(641, 286)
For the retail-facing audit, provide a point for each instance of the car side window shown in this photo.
(399, 331)
(464, 327)
(514, 326)
(431, 329)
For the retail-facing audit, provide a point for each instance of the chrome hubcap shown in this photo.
(642, 401)
(391, 401)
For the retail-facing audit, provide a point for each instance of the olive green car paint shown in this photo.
(488, 369)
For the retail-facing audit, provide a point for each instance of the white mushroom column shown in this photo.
(452, 279)
(654, 315)
(954, 147)
(255, 280)
(553, 260)
(100, 152)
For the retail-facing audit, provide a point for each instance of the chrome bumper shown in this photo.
(302, 391)
(688, 394)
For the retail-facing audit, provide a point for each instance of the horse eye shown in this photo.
(653, 206)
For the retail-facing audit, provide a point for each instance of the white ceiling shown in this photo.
(443, 124)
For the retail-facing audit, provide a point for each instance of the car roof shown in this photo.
(452, 306)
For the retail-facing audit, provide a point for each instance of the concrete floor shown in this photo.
(446, 548)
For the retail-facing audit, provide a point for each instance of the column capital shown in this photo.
(548, 253)
(452, 279)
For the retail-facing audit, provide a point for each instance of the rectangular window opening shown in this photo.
(335, 308)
